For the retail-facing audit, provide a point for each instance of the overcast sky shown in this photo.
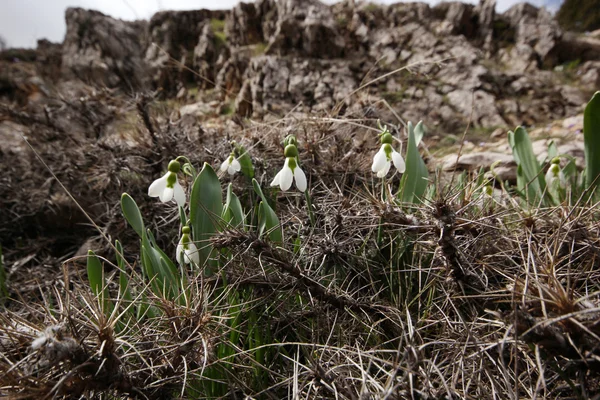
(22, 22)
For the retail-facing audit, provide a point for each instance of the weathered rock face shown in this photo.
(305, 28)
(173, 36)
(486, 11)
(535, 27)
(448, 64)
(104, 51)
(274, 85)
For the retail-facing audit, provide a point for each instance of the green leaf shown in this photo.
(233, 212)
(123, 277)
(591, 139)
(166, 272)
(267, 219)
(419, 131)
(206, 207)
(245, 161)
(552, 151)
(95, 273)
(415, 179)
(269, 223)
(258, 190)
(132, 214)
(532, 179)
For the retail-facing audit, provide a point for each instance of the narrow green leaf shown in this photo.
(269, 223)
(206, 207)
(95, 273)
(245, 161)
(415, 179)
(233, 212)
(132, 213)
(258, 190)
(124, 291)
(419, 132)
(532, 177)
(591, 139)
(552, 150)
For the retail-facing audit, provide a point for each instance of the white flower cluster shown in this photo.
(167, 187)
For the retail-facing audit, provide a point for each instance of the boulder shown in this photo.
(104, 51)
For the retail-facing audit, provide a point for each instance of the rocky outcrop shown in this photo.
(449, 64)
(104, 51)
(275, 85)
(535, 27)
(305, 28)
(173, 36)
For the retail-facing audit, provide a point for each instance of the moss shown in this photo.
(372, 7)
(393, 97)
(217, 25)
(259, 49)
(228, 109)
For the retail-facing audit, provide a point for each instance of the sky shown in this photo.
(22, 22)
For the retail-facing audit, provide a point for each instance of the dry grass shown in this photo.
(456, 298)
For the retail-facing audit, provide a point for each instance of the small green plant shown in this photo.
(558, 184)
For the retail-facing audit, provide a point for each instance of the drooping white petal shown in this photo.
(385, 170)
(398, 161)
(179, 194)
(235, 167)
(166, 195)
(379, 160)
(300, 179)
(224, 165)
(191, 254)
(179, 252)
(158, 186)
(287, 176)
(275, 181)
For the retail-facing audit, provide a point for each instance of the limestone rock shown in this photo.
(276, 84)
(536, 28)
(104, 51)
(174, 36)
(486, 11)
(307, 28)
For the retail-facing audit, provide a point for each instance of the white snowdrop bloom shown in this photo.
(231, 165)
(555, 178)
(167, 187)
(187, 251)
(384, 158)
(290, 171)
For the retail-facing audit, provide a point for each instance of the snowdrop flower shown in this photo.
(555, 178)
(386, 155)
(167, 187)
(231, 165)
(290, 171)
(186, 249)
